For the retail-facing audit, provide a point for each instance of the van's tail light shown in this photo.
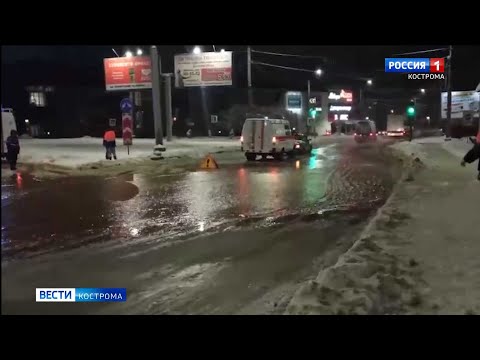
(371, 134)
(355, 134)
(241, 138)
(274, 139)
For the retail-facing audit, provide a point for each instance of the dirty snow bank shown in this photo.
(457, 147)
(364, 276)
(86, 150)
(418, 254)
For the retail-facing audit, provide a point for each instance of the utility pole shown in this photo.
(448, 135)
(414, 119)
(168, 105)
(156, 92)
(360, 103)
(249, 75)
(308, 105)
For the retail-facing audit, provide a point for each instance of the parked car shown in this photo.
(302, 144)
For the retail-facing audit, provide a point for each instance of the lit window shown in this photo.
(37, 99)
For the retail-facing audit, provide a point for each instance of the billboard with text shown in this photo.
(204, 69)
(462, 101)
(128, 73)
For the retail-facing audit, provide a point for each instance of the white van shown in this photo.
(267, 137)
(8, 124)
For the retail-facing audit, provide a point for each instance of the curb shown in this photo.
(316, 297)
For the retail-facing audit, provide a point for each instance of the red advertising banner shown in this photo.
(128, 73)
(127, 129)
(217, 74)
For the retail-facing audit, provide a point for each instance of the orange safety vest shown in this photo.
(109, 135)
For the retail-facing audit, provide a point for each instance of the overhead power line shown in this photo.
(282, 67)
(420, 52)
(290, 55)
(347, 76)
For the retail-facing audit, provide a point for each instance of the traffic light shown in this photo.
(411, 118)
(312, 113)
(411, 110)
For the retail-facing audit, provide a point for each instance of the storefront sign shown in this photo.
(294, 102)
(340, 117)
(340, 108)
(342, 95)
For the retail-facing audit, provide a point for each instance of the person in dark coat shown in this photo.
(13, 149)
(473, 154)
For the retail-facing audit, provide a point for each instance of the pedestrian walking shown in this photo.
(473, 154)
(109, 141)
(13, 149)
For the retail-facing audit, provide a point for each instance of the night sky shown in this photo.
(342, 65)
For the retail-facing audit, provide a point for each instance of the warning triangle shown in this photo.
(209, 162)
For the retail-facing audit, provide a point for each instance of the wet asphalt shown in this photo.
(236, 240)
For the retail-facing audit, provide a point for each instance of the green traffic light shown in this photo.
(313, 113)
(410, 111)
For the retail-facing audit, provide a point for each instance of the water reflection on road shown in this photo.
(39, 216)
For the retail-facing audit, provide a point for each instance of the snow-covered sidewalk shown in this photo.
(86, 150)
(419, 255)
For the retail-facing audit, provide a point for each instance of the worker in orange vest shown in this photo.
(109, 141)
(474, 153)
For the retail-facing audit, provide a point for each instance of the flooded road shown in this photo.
(234, 240)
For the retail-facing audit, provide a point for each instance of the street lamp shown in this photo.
(197, 50)
(318, 72)
(128, 53)
(428, 117)
(391, 111)
(27, 121)
(422, 91)
(367, 118)
(369, 82)
(139, 52)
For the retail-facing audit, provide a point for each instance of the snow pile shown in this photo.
(458, 147)
(86, 150)
(419, 148)
(367, 279)
(418, 254)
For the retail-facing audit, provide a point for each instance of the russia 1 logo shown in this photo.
(437, 65)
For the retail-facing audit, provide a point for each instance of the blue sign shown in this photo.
(407, 65)
(294, 101)
(126, 105)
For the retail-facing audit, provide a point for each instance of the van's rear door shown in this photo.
(259, 135)
(254, 132)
